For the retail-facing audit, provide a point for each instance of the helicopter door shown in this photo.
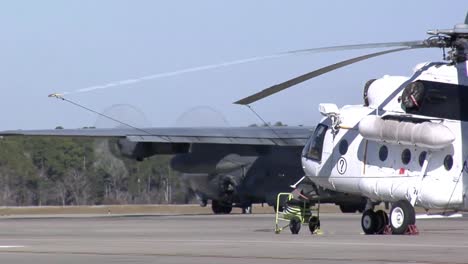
(319, 148)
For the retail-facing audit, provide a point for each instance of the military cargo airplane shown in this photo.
(405, 145)
(229, 166)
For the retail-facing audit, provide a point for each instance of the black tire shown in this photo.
(314, 223)
(215, 207)
(369, 222)
(382, 221)
(401, 216)
(227, 209)
(295, 225)
(219, 208)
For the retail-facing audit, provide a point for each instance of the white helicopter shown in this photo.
(406, 145)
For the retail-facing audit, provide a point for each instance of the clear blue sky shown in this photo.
(51, 46)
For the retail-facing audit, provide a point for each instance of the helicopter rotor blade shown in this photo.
(238, 62)
(287, 84)
(409, 44)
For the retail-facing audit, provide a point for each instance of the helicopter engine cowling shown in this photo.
(424, 134)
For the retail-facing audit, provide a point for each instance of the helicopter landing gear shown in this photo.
(401, 221)
(382, 221)
(374, 222)
(369, 222)
(403, 218)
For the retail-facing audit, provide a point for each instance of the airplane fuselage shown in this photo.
(239, 174)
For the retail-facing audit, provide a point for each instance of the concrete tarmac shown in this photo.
(221, 239)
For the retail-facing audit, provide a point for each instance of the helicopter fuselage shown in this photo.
(404, 143)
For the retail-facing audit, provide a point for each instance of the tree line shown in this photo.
(82, 171)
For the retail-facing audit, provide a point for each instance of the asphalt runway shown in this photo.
(222, 239)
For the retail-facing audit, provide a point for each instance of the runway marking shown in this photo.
(12, 246)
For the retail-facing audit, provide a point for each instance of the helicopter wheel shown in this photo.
(369, 222)
(402, 215)
(382, 221)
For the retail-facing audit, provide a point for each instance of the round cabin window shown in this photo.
(422, 158)
(406, 156)
(448, 162)
(383, 153)
(343, 148)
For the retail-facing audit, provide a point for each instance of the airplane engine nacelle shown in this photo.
(196, 163)
(142, 150)
(425, 134)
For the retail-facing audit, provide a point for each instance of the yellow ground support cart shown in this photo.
(296, 213)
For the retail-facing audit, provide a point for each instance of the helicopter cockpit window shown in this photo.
(314, 147)
(306, 148)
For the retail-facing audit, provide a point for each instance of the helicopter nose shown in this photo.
(310, 167)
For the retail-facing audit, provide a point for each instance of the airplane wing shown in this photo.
(280, 136)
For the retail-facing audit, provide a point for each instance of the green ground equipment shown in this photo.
(297, 212)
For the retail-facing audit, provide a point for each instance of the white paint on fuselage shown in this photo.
(391, 180)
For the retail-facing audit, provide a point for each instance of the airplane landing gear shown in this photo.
(247, 209)
(401, 221)
(220, 208)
